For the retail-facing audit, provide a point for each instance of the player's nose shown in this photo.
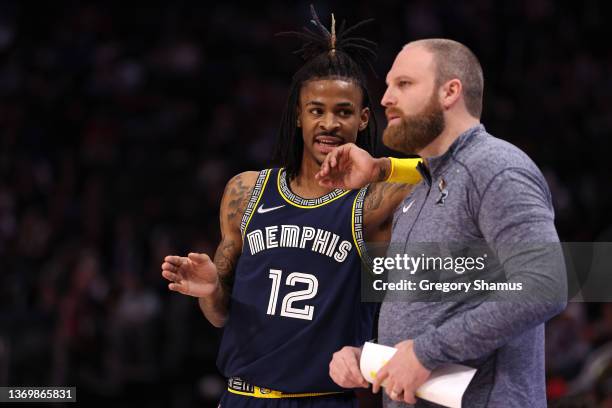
(329, 122)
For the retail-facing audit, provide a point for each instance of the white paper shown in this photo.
(373, 357)
(445, 386)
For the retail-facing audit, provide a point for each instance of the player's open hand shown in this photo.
(347, 167)
(193, 275)
(344, 368)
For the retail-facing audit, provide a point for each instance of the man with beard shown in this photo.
(476, 189)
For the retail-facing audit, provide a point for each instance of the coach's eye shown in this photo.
(402, 84)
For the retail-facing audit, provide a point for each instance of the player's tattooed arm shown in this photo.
(384, 169)
(233, 204)
(380, 203)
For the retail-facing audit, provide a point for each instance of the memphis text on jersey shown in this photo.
(298, 236)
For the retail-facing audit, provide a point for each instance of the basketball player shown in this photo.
(292, 248)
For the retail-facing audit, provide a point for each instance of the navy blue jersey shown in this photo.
(296, 294)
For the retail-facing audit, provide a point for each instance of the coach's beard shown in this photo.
(415, 132)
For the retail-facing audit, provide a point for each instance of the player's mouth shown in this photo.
(325, 143)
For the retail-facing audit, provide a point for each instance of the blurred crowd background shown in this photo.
(120, 124)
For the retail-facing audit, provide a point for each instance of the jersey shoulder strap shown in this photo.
(260, 185)
(357, 225)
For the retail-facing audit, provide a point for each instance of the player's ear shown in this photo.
(364, 118)
(298, 115)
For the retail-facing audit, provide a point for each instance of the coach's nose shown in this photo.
(388, 98)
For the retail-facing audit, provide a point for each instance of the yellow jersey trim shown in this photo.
(259, 392)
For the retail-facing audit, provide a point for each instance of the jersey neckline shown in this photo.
(301, 202)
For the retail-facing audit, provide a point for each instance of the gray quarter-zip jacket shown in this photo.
(482, 191)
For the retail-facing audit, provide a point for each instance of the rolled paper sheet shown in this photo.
(445, 386)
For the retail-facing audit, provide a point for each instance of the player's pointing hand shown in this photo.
(347, 167)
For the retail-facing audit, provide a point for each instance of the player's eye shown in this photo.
(316, 111)
(345, 112)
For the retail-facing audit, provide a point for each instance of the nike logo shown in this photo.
(407, 207)
(262, 210)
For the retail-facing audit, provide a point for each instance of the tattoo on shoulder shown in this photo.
(238, 192)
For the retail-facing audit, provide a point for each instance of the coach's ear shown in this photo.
(450, 93)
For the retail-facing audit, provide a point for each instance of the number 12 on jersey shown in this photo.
(287, 308)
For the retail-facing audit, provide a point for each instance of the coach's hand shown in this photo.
(344, 368)
(194, 275)
(403, 374)
(348, 167)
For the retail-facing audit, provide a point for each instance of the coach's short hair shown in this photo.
(455, 60)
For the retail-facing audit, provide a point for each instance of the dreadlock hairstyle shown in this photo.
(328, 55)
